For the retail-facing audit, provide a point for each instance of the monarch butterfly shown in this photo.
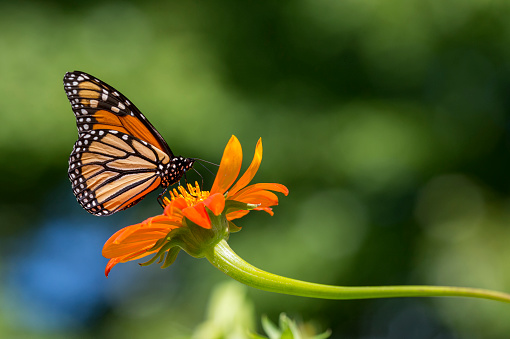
(119, 156)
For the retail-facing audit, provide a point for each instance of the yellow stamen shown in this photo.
(192, 195)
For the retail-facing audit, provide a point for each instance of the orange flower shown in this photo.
(194, 219)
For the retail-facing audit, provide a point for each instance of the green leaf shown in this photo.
(255, 336)
(324, 335)
(290, 330)
(287, 334)
(271, 330)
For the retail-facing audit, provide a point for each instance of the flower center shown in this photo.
(192, 195)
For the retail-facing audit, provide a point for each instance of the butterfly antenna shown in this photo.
(209, 162)
(200, 175)
(204, 166)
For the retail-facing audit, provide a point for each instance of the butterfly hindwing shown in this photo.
(111, 170)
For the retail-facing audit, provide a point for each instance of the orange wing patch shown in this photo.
(88, 90)
(88, 85)
(125, 124)
(138, 129)
(109, 111)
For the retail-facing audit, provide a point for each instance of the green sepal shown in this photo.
(159, 243)
(192, 238)
(233, 206)
(171, 256)
(232, 228)
(202, 239)
(170, 241)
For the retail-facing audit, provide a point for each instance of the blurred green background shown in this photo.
(387, 120)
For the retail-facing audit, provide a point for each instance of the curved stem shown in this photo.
(227, 261)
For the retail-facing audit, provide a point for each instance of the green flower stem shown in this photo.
(227, 261)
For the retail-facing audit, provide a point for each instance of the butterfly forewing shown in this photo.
(97, 105)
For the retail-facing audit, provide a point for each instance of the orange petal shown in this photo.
(144, 234)
(250, 172)
(171, 221)
(216, 203)
(198, 215)
(126, 250)
(266, 209)
(262, 198)
(140, 241)
(237, 214)
(160, 221)
(229, 167)
(118, 237)
(109, 266)
(139, 237)
(261, 186)
(179, 203)
(137, 255)
(133, 256)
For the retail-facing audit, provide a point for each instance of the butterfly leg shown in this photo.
(160, 198)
